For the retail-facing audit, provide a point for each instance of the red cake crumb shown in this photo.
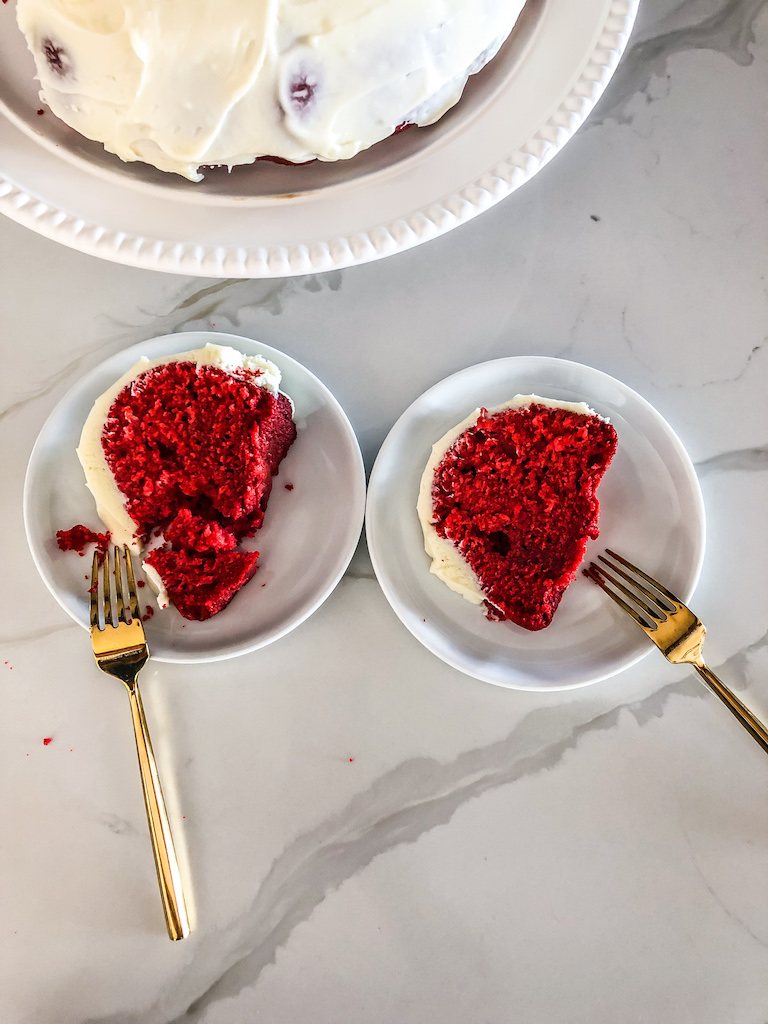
(516, 494)
(289, 487)
(47, 740)
(79, 537)
(149, 611)
(200, 585)
(193, 449)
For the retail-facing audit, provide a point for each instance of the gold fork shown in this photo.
(673, 627)
(120, 649)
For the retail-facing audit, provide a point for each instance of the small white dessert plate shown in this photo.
(651, 511)
(308, 537)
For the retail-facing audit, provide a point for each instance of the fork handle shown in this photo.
(168, 874)
(754, 726)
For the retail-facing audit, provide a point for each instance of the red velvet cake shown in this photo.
(514, 495)
(200, 585)
(185, 454)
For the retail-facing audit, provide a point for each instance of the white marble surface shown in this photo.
(369, 836)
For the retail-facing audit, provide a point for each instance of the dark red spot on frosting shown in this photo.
(56, 57)
(302, 91)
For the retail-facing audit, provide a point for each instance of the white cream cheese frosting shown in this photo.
(110, 501)
(185, 83)
(447, 562)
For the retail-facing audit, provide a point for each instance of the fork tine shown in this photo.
(94, 591)
(654, 614)
(648, 579)
(642, 618)
(107, 591)
(592, 574)
(131, 584)
(661, 602)
(121, 616)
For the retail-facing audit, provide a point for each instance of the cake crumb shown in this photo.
(149, 611)
(79, 537)
(41, 111)
(289, 487)
(47, 740)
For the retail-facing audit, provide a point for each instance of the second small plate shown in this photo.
(651, 511)
(309, 535)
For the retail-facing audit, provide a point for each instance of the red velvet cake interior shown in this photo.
(516, 494)
(193, 449)
(200, 585)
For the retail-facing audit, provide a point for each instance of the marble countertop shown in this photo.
(369, 836)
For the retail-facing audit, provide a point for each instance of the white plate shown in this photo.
(651, 511)
(309, 533)
(272, 221)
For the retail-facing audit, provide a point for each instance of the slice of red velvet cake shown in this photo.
(511, 494)
(180, 456)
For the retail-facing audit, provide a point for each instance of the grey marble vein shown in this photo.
(195, 303)
(397, 808)
(121, 826)
(739, 663)
(228, 298)
(728, 911)
(47, 385)
(740, 460)
(662, 384)
(692, 25)
(403, 805)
